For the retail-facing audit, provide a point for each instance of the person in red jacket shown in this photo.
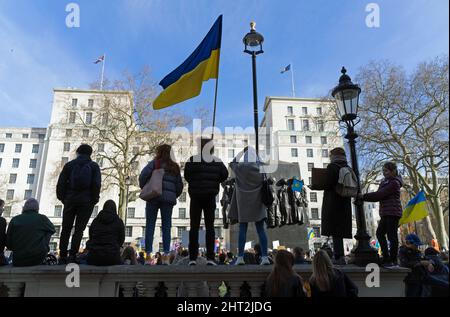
(388, 194)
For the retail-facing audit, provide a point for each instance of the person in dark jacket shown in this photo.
(28, 235)
(388, 194)
(106, 237)
(78, 189)
(283, 281)
(336, 210)
(299, 256)
(172, 187)
(204, 173)
(327, 281)
(2, 233)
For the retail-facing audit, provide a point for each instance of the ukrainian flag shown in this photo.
(415, 210)
(311, 234)
(297, 185)
(186, 80)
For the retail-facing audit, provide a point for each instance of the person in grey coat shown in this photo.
(246, 202)
(172, 188)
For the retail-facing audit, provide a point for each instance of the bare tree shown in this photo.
(405, 119)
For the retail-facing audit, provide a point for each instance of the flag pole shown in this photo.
(215, 104)
(103, 71)
(292, 80)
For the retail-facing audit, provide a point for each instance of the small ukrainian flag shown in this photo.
(415, 210)
(297, 185)
(186, 80)
(311, 234)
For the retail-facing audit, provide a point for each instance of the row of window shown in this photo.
(40, 136)
(320, 125)
(309, 152)
(16, 162)
(75, 103)
(87, 118)
(309, 139)
(11, 192)
(290, 111)
(13, 179)
(18, 148)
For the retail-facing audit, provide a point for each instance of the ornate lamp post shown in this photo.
(253, 46)
(346, 95)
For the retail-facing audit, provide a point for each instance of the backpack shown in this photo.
(347, 185)
(81, 177)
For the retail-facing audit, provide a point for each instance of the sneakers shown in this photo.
(211, 263)
(265, 261)
(240, 261)
(192, 263)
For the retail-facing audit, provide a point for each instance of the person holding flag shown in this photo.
(388, 194)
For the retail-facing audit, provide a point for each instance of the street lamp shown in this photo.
(253, 45)
(346, 95)
(128, 184)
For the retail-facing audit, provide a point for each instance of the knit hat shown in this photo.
(31, 204)
(413, 239)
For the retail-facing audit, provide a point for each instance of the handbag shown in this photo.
(153, 187)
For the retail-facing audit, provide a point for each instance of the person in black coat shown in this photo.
(204, 173)
(2, 233)
(106, 237)
(336, 210)
(78, 189)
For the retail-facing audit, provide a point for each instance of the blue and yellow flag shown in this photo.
(297, 185)
(415, 210)
(311, 234)
(186, 80)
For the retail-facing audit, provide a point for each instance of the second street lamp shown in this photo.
(253, 45)
(346, 95)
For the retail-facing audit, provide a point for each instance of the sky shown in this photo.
(38, 52)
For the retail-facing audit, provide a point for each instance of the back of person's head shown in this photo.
(141, 254)
(222, 257)
(338, 151)
(322, 270)
(110, 206)
(392, 167)
(31, 204)
(298, 252)
(206, 146)
(430, 251)
(84, 149)
(129, 255)
(281, 272)
(257, 248)
(249, 258)
(184, 253)
(164, 154)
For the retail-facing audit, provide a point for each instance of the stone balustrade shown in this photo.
(174, 280)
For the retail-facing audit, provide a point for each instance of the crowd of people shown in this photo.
(78, 188)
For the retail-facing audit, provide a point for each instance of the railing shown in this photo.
(196, 281)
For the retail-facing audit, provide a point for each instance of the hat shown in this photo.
(31, 204)
(413, 239)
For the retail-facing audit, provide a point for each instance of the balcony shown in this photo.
(197, 281)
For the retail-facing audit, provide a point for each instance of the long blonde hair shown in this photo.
(323, 272)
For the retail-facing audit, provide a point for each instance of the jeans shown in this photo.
(80, 214)
(207, 204)
(261, 234)
(338, 247)
(151, 213)
(388, 226)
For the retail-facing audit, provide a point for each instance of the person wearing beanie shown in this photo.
(28, 235)
(106, 237)
(78, 189)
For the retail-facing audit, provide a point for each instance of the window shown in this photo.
(320, 126)
(94, 212)
(294, 152)
(180, 231)
(1, 162)
(10, 194)
(35, 149)
(101, 147)
(15, 163)
(88, 117)
(74, 102)
(310, 180)
(323, 140)
(293, 139)
(308, 139)
(7, 211)
(231, 153)
(310, 166)
(72, 116)
(305, 124)
(12, 178)
(90, 103)
(25, 136)
(68, 133)
(64, 160)
(57, 231)
(105, 119)
(314, 213)
(28, 194)
(18, 148)
(131, 212)
(30, 179)
(182, 198)
(85, 133)
(33, 163)
(66, 146)
(319, 111)
(304, 111)
(128, 231)
(290, 110)
(291, 126)
(58, 211)
(216, 213)
(313, 198)
(160, 231)
(8, 135)
(309, 153)
(182, 213)
(2, 147)
(41, 136)
(325, 153)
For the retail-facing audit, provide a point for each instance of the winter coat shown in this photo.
(291, 203)
(69, 195)
(408, 257)
(106, 234)
(2, 235)
(172, 186)
(273, 212)
(204, 177)
(291, 288)
(336, 210)
(228, 189)
(28, 237)
(283, 200)
(246, 203)
(388, 194)
(341, 286)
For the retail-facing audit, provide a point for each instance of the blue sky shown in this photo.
(38, 52)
